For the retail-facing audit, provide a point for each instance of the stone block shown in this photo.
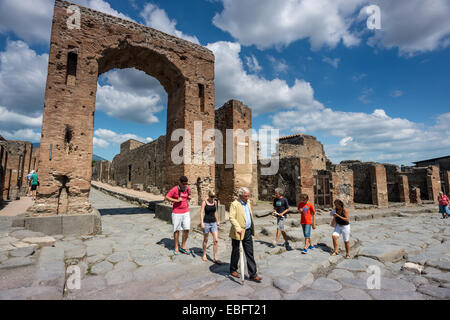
(46, 224)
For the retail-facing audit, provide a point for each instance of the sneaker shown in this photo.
(287, 246)
(311, 247)
(304, 251)
(274, 244)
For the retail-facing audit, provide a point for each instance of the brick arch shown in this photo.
(77, 57)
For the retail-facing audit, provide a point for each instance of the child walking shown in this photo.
(308, 220)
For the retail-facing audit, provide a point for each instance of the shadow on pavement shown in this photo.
(123, 211)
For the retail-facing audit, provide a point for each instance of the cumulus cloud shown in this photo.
(157, 18)
(260, 94)
(22, 134)
(102, 138)
(253, 64)
(413, 26)
(132, 95)
(31, 20)
(23, 73)
(267, 23)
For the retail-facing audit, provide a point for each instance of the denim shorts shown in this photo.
(210, 227)
(280, 222)
(307, 230)
(444, 209)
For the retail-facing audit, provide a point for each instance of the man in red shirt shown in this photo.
(308, 220)
(181, 219)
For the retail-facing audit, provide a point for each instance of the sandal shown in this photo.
(185, 251)
(335, 253)
(175, 253)
(347, 257)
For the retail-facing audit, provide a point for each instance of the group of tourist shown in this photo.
(242, 224)
(32, 184)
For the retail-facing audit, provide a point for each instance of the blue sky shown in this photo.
(303, 66)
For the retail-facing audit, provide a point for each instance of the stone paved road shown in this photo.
(132, 259)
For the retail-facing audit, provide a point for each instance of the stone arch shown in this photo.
(77, 57)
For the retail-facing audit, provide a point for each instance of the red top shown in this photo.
(306, 210)
(443, 201)
(179, 207)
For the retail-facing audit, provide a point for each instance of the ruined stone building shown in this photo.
(142, 166)
(17, 159)
(444, 170)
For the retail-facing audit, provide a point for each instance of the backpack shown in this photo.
(179, 191)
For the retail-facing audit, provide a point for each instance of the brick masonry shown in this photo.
(403, 189)
(77, 57)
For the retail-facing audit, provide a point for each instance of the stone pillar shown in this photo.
(342, 186)
(447, 182)
(379, 185)
(415, 196)
(306, 179)
(403, 187)
(237, 117)
(433, 182)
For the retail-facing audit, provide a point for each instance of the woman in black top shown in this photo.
(342, 226)
(210, 223)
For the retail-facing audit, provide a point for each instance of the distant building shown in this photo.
(444, 167)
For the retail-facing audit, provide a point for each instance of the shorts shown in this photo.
(307, 230)
(280, 222)
(344, 230)
(33, 187)
(210, 227)
(181, 221)
(444, 209)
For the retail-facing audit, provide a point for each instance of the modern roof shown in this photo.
(440, 158)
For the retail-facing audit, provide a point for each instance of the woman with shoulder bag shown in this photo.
(210, 224)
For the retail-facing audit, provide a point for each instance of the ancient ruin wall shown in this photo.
(342, 185)
(303, 146)
(392, 176)
(417, 178)
(76, 58)
(361, 181)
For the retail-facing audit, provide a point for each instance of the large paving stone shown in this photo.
(118, 257)
(32, 293)
(340, 273)
(382, 252)
(267, 293)
(51, 269)
(437, 292)
(311, 294)
(354, 283)
(198, 283)
(101, 268)
(22, 234)
(287, 284)
(443, 277)
(95, 259)
(125, 266)
(395, 295)
(304, 278)
(326, 285)
(354, 294)
(158, 271)
(97, 250)
(352, 265)
(16, 262)
(118, 277)
(75, 253)
(23, 251)
(229, 289)
(41, 241)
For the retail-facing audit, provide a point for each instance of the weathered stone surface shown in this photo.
(118, 277)
(267, 293)
(354, 294)
(41, 241)
(51, 269)
(287, 284)
(354, 283)
(395, 295)
(95, 259)
(97, 250)
(326, 285)
(340, 273)
(16, 262)
(304, 278)
(310, 294)
(75, 253)
(229, 289)
(23, 251)
(382, 252)
(125, 265)
(22, 234)
(32, 293)
(443, 277)
(101, 268)
(118, 257)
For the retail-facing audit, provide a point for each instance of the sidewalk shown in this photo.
(16, 207)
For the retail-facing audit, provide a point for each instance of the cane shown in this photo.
(241, 259)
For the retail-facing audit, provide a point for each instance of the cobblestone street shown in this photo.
(133, 259)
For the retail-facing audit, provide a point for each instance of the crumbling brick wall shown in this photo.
(303, 146)
(342, 185)
(392, 176)
(3, 159)
(417, 179)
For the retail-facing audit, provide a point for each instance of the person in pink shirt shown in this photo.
(181, 219)
(443, 205)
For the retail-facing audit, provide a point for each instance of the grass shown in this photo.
(89, 269)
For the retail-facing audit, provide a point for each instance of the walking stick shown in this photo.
(241, 259)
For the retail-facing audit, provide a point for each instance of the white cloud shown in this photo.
(100, 143)
(260, 94)
(31, 20)
(267, 23)
(359, 77)
(157, 18)
(397, 93)
(345, 141)
(10, 120)
(104, 136)
(333, 62)
(413, 26)
(253, 64)
(131, 95)
(364, 97)
(279, 65)
(22, 78)
(22, 134)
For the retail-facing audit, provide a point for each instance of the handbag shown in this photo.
(333, 222)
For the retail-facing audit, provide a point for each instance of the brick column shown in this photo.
(415, 196)
(447, 182)
(306, 182)
(379, 185)
(403, 187)
(433, 183)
